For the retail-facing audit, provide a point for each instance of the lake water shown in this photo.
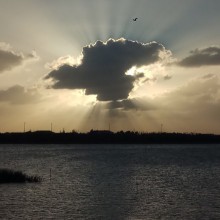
(113, 182)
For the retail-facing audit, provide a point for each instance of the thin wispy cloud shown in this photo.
(18, 95)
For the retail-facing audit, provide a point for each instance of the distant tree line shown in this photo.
(106, 137)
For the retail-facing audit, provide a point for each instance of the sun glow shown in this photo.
(131, 71)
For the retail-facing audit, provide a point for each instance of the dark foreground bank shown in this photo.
(106, 137)
(11, 176)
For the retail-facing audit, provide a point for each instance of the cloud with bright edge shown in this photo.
(103, 66)
(142, 104)
(202, 57)
(10, 59)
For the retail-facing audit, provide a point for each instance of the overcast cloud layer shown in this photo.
(103, 67)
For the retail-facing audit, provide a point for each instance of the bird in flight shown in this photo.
(135, 19)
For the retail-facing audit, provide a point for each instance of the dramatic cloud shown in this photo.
(103, 67)
(10, 59)
(56, 64)
(202, 57)
(18, 95)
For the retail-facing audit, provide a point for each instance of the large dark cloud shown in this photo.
(18, 95)
(103, 67)
(202, 57)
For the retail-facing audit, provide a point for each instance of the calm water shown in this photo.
(113, 182)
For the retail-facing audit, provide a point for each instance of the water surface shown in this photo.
(113, 182)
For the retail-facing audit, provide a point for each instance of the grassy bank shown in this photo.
(11, 176)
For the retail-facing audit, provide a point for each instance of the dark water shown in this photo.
(113, 182)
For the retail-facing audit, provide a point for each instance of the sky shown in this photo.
(86, 64)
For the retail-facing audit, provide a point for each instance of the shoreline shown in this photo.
(107, 137)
